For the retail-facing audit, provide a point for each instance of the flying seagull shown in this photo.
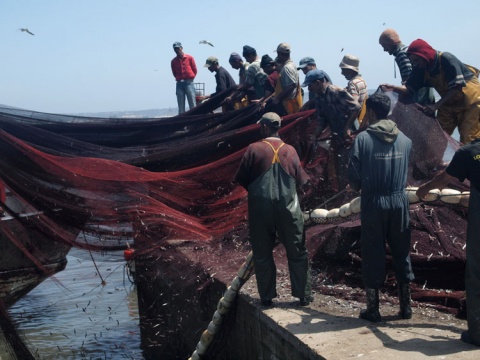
(26, 30)
(206, 42)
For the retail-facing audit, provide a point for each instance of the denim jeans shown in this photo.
(185, 88)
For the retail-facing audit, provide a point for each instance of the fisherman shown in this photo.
(268, 66)
(466, 165)
(271, 172)
(222, 77)
(391, 43)
(378, 167)
(457, 84)
(306, 64)
(357, 87)
(236, 62)
(337, 109)
(184, 70)
(254, 79)
(288, 96)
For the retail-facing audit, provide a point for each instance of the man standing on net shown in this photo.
(270, 171)
(466, 165)
(378, 167)
(184, 70)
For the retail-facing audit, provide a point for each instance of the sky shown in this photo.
(114, 55)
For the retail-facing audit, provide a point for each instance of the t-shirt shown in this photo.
(289, 76)
(466, 164)
(224, 80)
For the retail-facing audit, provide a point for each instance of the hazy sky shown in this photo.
(114, 55)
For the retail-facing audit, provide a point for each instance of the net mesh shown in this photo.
(172, 178)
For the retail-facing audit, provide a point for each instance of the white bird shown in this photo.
(206, 42)
(26, 30)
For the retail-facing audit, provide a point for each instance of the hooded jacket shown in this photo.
(379, 160)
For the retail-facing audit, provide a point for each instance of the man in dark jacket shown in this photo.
(466, 165)
(379, 167)
(270, 170)
(222, 76)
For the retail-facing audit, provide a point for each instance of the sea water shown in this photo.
(72, 315)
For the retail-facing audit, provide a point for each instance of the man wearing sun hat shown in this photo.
(184, 70)
(288, 95)
(271, 171)
(357, 87)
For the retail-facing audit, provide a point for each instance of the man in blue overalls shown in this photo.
(270, 171)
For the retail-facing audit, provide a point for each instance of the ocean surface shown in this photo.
(73, 316)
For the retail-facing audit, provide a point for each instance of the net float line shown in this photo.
(223, 307)
(448, 196)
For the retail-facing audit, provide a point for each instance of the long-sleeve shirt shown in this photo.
(402, 60)
(184, 68)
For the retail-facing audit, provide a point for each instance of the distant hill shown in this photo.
(151, 113)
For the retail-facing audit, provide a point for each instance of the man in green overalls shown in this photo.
(270, 171)
(466, 165)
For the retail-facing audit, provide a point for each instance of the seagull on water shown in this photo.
(26, 30)
(206, 42)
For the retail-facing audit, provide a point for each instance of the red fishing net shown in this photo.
(171, 178)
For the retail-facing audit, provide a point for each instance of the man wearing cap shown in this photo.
(457, 84)
(184, 70)
(306, 64)
(357, 87)
(270, 171)
(337, 109)
(222, 77)
(288, 97)
(236, 62)
(391, 43)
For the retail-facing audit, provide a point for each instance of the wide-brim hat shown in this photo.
(350, 62)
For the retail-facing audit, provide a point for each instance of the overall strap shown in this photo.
(275, 159)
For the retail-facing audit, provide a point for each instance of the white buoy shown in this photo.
(334, 213)
(433, 195)
(450, 196)
(319, 215)
(345, 210)
(465, 198)
(355, 205)
(411, 194)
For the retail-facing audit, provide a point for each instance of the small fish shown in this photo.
(206, 42)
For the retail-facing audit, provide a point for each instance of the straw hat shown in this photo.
(350, 62)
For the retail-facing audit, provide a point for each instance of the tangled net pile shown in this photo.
(172, 178)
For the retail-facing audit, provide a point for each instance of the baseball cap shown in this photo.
(305, 61)
(210, 61)
(314, 75)
(270, 119)
(283, 48)
(177, 44)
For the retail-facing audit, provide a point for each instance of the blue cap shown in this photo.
(305, 61)
(177, 44)
(314, 75)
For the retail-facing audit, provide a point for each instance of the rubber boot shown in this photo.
(371, 313)
(405, 300)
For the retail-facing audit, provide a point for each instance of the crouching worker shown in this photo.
(270, 171)
(378, 167)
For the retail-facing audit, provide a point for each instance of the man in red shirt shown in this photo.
(184, 70)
